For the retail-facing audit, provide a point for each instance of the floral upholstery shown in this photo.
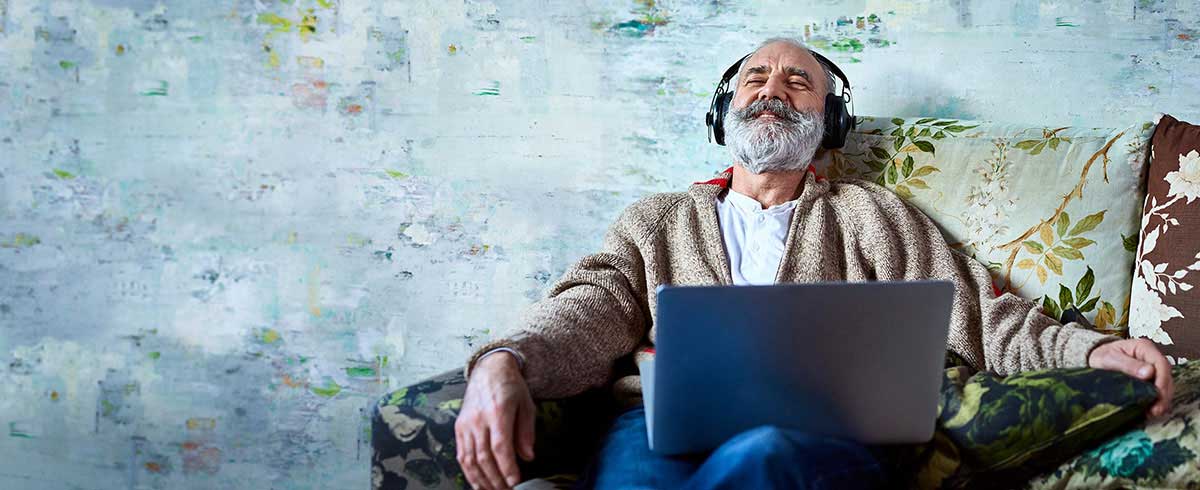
(1165, 303)
(412, 436)
(1155, 454)
(997, 432)
(1052, 212)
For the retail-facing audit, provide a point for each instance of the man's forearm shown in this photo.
(594, 314)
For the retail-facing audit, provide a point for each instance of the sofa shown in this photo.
(1062, 215)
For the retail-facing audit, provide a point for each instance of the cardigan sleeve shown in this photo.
(1003, 334)
(593, 315)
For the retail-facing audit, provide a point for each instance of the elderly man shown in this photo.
(769, 218)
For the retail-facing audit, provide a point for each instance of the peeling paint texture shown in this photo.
(227, 226)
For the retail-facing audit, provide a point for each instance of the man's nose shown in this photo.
(773, 89)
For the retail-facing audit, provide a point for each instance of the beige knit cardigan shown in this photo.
(600, 314)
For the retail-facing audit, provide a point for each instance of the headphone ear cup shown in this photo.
(718, 125)
(848, 122)
(838, 122)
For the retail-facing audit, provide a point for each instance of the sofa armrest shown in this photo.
(412, 434)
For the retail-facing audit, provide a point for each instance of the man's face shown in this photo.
(786, 72)
(776, 119)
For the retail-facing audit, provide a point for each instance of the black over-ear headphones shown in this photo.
(838, 119)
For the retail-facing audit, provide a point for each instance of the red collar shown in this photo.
(723, 180)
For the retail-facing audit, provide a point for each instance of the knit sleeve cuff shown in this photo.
(506, 345)
(1080, 343)
(510, 350)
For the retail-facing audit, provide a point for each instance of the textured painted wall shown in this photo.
(227, 226)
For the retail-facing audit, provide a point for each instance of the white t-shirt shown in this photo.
(754, 237)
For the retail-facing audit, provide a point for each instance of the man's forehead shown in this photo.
(774, 55)
(789, 59)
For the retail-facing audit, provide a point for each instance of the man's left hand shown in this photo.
(1141, 359)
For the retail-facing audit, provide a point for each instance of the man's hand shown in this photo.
(1141, 359)
(496, 406)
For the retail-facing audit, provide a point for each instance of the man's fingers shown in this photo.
(1159, 406)
(1145, 350)
(1120, 361)
(1166, 386)
(1141, 359)
(487, 463)
(467, 458)
(458, 445)
(526, 421)
(502, 449)
(1125, 362)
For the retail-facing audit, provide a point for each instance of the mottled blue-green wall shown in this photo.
(226, 226)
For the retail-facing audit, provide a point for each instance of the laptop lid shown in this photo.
(858, 360)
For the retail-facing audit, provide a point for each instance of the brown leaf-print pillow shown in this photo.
(1164, 303)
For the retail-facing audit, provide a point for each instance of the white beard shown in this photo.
(785, 143)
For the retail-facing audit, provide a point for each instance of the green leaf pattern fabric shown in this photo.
(413, 446)
(995, 432)
(991, 433)
(1050, 211)
(1154, 454)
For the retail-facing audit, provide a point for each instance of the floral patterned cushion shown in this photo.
(1156, 454)
(412, 436)
(987, 432)
(1052, 212)
(995, 432)
(1165, 302)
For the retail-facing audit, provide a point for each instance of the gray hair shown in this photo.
(794, 42)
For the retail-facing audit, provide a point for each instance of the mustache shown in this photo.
(774, 106)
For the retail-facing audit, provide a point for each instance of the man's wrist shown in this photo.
(505, 357)
(1098, 350)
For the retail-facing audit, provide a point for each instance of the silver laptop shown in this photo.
(856, 360)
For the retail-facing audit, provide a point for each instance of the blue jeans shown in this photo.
(764, 457)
